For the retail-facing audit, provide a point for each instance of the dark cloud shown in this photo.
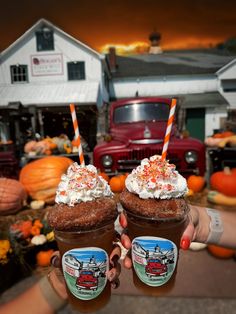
(99, 22)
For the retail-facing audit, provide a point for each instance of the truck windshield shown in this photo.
(141, 112)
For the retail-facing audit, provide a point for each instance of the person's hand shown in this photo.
(197, 228)
(115, 268)
(57, 278)
(125, 240)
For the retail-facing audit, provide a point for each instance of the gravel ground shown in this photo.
(142, 305)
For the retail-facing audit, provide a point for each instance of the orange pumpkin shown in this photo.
(221, 252)
(196, 183)
(12, 196)
(123, 178)
(41, 177)
(224, 181)
(117, 183)
(43, 258)
(223, 134)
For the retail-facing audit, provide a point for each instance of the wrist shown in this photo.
(52, 291)
(215, 226)
(203, 225)
(56, 279)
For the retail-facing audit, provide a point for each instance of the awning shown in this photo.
(203, 100)
(55, 94)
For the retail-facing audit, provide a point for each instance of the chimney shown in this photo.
(112, 59)
(155, 38)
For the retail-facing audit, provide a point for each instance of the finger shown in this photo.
(115, 283)
(56, 259)
(127, 262)
(123, 220)
(114, 273)
(58, 281)
(187, 237)
(125, 240)
(115, 255)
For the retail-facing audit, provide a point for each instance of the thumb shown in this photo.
(187, 237)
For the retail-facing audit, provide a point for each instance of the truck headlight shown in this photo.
(191, 157)
(107, 161)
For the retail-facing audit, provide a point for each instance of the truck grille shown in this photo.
(129, 160)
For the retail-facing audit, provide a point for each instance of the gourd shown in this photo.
(196, 183)
(224, 182)
(229, 141)
(211, 141)
(30, 147)
(12, 196)
(39, 239)
(41, 177)
(197, 246)
(221, 199)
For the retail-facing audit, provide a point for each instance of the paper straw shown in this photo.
(168, 128)
(77, 135)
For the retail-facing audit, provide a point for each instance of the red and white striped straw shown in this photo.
(168, 128)
(77, 135)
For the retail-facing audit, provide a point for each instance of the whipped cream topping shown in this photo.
(81, 184)
(155, 178)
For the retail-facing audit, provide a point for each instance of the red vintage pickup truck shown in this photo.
(136, 131)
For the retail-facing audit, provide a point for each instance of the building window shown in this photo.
(19, 73)
(229, 86)
(44, 40)
(76, 70)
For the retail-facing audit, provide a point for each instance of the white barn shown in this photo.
(46, 69)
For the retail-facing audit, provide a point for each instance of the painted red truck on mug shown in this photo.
(155, 267)
(87, 280)
(137, 130)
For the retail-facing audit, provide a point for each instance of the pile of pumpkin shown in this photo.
(55, 145)
(222, 186)
(33, 233)
(222, 139)
(37, 182)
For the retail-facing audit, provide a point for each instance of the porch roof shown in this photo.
(202, 100)
(47, 94)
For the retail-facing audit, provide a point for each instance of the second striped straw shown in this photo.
(168, 128)
(77, 135)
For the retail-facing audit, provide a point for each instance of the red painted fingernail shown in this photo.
(185, 243)
(122, 221)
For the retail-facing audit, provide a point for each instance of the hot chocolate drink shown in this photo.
(157, 214)
(83, 221)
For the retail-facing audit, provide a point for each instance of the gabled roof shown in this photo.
(43, 22)
(171, 63)
(226, 67)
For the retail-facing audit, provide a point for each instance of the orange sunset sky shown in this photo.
(182, 24)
